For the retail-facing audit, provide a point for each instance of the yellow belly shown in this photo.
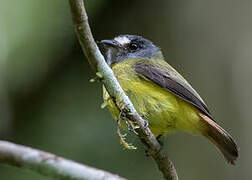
(164, 111)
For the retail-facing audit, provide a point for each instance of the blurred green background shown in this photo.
(47, 101)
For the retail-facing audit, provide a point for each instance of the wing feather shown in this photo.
(169, 79)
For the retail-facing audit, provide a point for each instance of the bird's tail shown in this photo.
(220, 138)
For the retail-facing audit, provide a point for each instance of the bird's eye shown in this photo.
(133, 46)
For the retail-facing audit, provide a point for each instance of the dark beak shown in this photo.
(110, 43)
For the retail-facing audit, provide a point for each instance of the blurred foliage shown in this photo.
(47, 101)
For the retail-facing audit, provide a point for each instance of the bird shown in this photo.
(160, 94)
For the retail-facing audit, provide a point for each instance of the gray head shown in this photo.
(125, 47)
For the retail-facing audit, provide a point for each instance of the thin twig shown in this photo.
(49, 164)
(114, 89)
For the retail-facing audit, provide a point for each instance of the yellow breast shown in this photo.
(164, 111)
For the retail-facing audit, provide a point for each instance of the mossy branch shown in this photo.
(97, 62)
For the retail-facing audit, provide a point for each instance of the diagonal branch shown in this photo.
(49, 164)
(114, 89)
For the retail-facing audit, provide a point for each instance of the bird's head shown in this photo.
(125, 47)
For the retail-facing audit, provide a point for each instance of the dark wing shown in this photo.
(169, 79)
